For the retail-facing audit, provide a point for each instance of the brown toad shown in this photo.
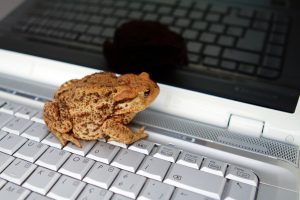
(99, 105)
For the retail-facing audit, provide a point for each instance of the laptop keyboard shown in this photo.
(34, 165)
(236, 39)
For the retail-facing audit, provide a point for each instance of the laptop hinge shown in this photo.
(246, 126)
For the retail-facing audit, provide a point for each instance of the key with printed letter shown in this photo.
(154, 168)
(103, 152)
(18, 171)
(31, 150)
(91, 192)
(17, 125)
(10, 143)
(196, 181)
(36, 132)
(66, 188)
(142, 146)
(101, 175)
(76, 166)
(128, 160)
(155, 190)
(12, 191)
(41, 180)
(128, 184)
(53, 158)
(86, 146)
(5, 160)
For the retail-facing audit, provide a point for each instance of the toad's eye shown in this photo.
(146, 93)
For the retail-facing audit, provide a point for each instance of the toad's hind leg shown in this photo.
(119, 132)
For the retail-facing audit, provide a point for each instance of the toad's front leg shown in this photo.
(56, 118)
(121, 133)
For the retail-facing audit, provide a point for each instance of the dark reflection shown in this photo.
(145, 46)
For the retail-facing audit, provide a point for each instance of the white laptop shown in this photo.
(205, 147)
(200, 146)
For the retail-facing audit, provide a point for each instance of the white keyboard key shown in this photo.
(35, 196)
(10, 108)
(180, 194)
(167, 153)
(4, 118)
(156, 190)
(196, 181)
(142, 146)
(2, 102)
(238, 190)
(38, 118)
(53, 158)
(120, 197)
(91, 192)
(103, 152)
(36, 132)
(128, 160)
(76, 166)
(2, 134)
(5, 160)
(190, 159)
(18, 171)
(41, 180)
(128, 184)
(214, 166)
(2, 182)
(101, 175)
(26, 112)
(31, 150)
(154, 168)
(13, 192)
(119, 144)
(242, 175)
(17, 125)
(66, 188)
(86, 146)
(10, 143)
(51, 140)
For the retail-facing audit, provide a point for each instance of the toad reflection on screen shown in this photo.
(148, 46)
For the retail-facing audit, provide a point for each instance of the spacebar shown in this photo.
(204, 183)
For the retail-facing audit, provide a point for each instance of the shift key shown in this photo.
(241, 56)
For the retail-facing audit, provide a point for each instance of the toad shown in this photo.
(99, 106)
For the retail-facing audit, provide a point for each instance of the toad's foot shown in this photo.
(121, 133)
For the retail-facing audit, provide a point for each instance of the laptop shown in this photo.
(203, 143)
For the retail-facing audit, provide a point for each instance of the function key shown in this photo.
(214, 166)
(167, 153)
(142, 146)
(241, 174)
